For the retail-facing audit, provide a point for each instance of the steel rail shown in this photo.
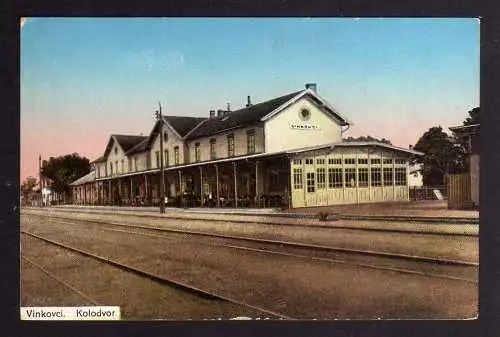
(157, 278)
(66, 284)
(285, 243)
(266, 251)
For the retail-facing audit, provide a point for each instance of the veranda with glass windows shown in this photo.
(348, 176)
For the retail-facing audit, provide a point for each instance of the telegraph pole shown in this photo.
(159, 117)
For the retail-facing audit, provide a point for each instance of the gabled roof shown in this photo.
(99, 160)
(141, 147)
(239, 118)
(472, 128)
(181, 125)
(88, 178)
(257, 113)
(126, 142)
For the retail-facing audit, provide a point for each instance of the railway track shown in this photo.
(320, 253)
(142, 273)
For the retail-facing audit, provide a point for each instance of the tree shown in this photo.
(367, 139)
(27, 187)
(473, 117)
(63, 170)
(441, 156)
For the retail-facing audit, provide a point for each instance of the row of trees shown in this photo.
(60, 171)
(443, 154)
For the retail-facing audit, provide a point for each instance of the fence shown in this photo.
(427, 192)
(459, 191)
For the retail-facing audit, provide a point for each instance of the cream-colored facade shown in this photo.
(288, 149)
(283, 131)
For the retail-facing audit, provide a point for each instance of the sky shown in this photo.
(83, 79)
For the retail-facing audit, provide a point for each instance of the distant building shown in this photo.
(470, 136)
(287, 151)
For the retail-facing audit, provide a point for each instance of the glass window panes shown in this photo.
(321, 172)
(297, 162)
(334, 177)
(213, 153)
(165, 158)
(400, 161)
(309, 162)
(376, 176)
(320, 161)
(363, 161)
(197, 152)
(176, 155)
(251, 142)
(350, 161)
(387, 161)
(334, 161)
(363, 177)
(297, 178)
(375, 161)
(350, 177)
(230, 145)
(388, 177)
(400, 176)
(157, 153)
(311, 183)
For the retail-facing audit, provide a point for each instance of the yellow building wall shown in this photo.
(279, 135)
(240, 143)
(170, 144)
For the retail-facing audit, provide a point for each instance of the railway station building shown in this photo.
(284, 152)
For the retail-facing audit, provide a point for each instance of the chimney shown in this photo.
(311, 86)
(212, 113)
(220, 113)
(228, 107)
(249, 103)
(410, 147)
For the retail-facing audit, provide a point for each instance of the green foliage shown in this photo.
(367, 139)
(63, 170)
(27, 186)
(473, 117)
(441, 156)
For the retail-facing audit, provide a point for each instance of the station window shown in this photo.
(213, 152)
(130, 164)
(135, 163)
(334, 178)
(400, 176)
(376, 175)
(116, 167)
(388, 177)
(297, 162)
(311, 184)
(176, 155)
(122, 166)
(251, 141)
(297, 179)
(98, 171)
(321, 178)
(400, 161)
(335, 161)
(111, 168)
(350, 177)
(363, 177)
(230, 145)
(387, 161)
(165, 158)
(350, 161)
(309, 161)
(362, 161)
(375, 161)
(320, 161)
(197, 152)
(105, 170)
(157, 153)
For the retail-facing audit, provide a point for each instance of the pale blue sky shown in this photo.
(82, 79)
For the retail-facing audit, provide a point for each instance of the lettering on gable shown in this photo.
(300, 125)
